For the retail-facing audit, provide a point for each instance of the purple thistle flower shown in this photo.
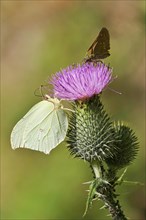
(81, 81)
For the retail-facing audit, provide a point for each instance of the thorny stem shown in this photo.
(96, 169)
(106, 192)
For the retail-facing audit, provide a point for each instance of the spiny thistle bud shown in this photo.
(90, 134)
(127, 147)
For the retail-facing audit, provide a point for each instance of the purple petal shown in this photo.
(81, 81)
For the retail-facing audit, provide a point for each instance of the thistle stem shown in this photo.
(96, 169)
(105, 191)
(113, 205)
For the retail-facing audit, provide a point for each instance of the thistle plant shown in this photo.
(107, 146)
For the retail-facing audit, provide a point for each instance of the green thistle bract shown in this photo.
(90, 134)
(127, 147)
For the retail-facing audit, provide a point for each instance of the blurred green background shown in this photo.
(38, 39)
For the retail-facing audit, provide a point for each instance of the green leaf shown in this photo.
(91, 195)
(120, 179)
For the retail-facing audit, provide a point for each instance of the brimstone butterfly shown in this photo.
(42, 128)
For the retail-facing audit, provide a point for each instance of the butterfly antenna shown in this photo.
(41, 91)
(35, 92)
(113, 90)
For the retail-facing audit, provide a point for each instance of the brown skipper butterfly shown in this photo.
(100, 47)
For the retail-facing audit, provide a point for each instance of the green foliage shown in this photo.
(91, 195)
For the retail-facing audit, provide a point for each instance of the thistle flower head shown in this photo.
(81, 81)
